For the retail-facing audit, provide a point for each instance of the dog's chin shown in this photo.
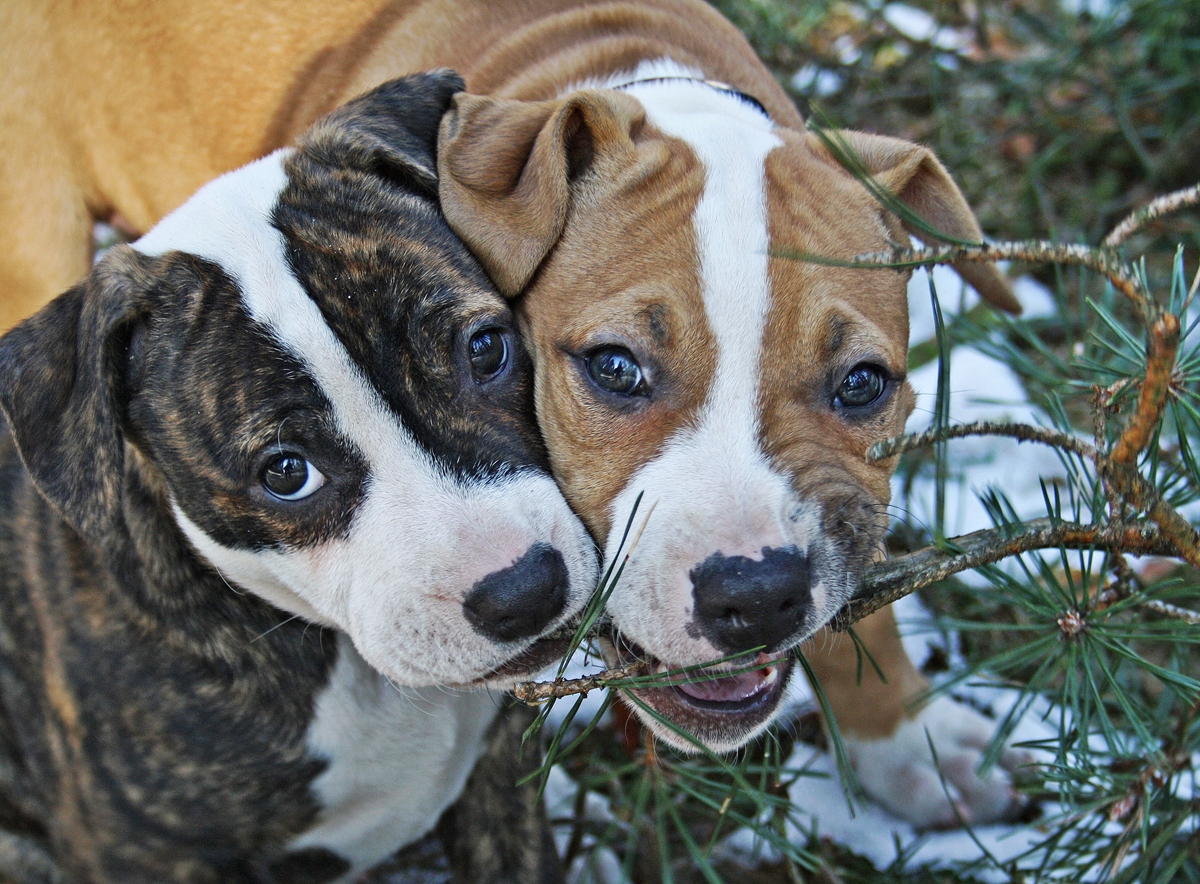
(723, 713)
(524, 666)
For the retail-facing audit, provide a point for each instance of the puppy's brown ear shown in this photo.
(507, 169)
(390, 131)
(918, 179)
(61, 377)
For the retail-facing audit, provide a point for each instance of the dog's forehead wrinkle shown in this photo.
(835, 334)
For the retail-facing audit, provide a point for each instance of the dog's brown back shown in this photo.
(121, 110)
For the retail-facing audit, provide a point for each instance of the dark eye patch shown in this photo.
(404, 297)
(216, 396)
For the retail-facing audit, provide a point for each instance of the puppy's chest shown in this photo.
(397, 758)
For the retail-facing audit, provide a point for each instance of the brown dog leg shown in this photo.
(868, 708)
(498, 831)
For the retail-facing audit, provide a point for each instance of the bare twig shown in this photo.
(1102, 406)
(534, 692)
(1105, 262)
(1173, 611)
(1123, 588)
(1020, 432)
(1163, 205)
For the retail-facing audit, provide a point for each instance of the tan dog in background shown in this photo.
(675, 355)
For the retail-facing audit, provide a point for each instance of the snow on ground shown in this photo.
(981, 389)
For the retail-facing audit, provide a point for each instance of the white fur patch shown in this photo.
(712, 486)
(398, 757)
(420, 539)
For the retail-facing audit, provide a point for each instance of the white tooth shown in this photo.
(769, 678)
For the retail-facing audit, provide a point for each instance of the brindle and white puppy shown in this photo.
(270, 486)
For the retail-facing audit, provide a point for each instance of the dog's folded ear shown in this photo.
(61, 374)
(507, 170)
(918, 180)
(390, 131)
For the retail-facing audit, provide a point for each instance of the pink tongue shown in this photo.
(729, 689)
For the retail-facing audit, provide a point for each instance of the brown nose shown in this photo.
(743, 605)
(521, 600)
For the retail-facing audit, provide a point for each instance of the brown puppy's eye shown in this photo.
(488, 352)
(863, 385)
(291, 477)
(615, 370)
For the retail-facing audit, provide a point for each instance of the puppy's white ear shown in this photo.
(390, 131)
(507, 170)
(62, 374)
(918, 179)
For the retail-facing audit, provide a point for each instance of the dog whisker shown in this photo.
(276, 626)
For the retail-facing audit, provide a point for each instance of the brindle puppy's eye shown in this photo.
(488, 353)
(863, 385)
(614, 369)
(291, 477)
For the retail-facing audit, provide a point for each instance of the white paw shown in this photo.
(899, 772)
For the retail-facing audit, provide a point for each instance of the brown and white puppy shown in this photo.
(650, 224)
(642, 216)
(271, 495)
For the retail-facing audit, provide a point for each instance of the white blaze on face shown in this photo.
(713, 488)
(420, 538)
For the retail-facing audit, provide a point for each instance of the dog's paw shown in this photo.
(899, 772)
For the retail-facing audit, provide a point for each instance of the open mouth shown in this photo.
(721, 711)
(741, 690)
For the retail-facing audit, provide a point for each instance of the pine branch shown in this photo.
(895, 578)
(887, 581)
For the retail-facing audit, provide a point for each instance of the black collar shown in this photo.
(713, 84)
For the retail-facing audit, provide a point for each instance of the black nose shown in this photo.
(742, 604)
(521, 600)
